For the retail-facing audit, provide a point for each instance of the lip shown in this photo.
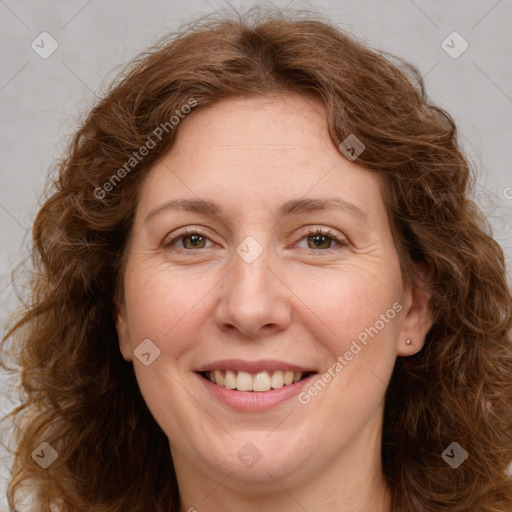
(255, 400)
(262, 365)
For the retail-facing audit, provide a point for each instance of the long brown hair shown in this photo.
(82, 398)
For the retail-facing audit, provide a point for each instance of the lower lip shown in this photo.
(254, 400)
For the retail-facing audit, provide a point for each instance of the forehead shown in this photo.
(273, 123)
(259, 151)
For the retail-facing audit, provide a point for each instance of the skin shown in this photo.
(296, 303)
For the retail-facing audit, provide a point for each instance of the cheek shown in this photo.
(162, 304)
(334, 304)
(357, 313)
(343, 303)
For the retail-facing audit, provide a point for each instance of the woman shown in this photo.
(262, 284)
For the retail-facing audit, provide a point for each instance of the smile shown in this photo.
(261, 381)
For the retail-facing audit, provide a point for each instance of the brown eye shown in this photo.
(323, 240)
(195, 241)
(319, 242)
(188, 240)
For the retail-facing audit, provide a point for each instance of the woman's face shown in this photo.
(280, 260)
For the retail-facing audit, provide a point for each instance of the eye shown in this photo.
(322, 239)
(189, 239)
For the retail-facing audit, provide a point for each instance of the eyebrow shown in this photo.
(292, 207)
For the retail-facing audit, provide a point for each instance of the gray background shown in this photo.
(41, 99)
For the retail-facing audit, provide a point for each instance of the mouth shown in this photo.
(257, 385)
(259, 382)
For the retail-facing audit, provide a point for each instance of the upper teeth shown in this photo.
(244, 381)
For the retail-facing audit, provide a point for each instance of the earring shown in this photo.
(408, 341)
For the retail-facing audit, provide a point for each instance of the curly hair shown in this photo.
(81, 396)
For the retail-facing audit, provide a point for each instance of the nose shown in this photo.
(254, 301)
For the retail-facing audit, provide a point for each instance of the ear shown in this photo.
(418, 317)
(123, 331)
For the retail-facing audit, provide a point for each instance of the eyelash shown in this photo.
(318, 231)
